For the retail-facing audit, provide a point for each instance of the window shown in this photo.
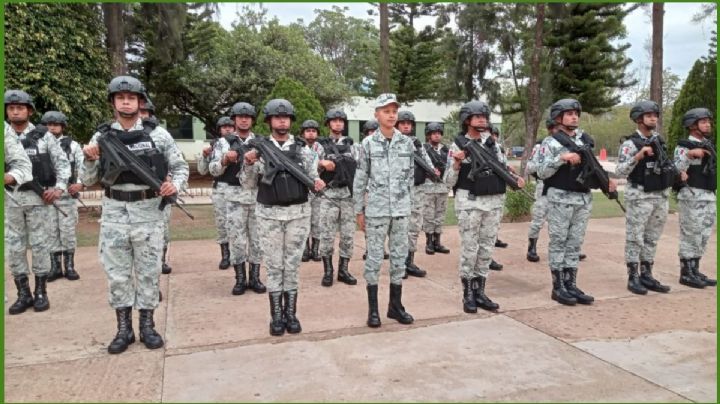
(184, 131)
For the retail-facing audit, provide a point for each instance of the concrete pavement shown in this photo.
(623, 348)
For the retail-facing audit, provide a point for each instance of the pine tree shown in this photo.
(306, 105)
(585, 64)
(698, 91)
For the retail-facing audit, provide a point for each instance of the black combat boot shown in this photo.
(373, 320)
(55, 266)
(495, 266)
(429, 244)
(410, 267)
(344, 275)
(500, 244)
(148, 335)
(570, 277)
(327, 279)
(125, 335)
(277, 323)
(700, 275)
(438, 245)
(582, 256)
(166, 269)
(315, 250)
(532, 250)
(647, 279)
(225, 256)
(41, 298)
(292, 324)
(481, 298)
(306, 251)
(469, 302)
(254, 282)
(240, 279)
(69, 261)
(396, 311)
(687, 277)
(559, 293)
(25, 298)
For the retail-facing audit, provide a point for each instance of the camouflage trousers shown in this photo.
(644, 222)
(287, 240)
(28, 225)
(243, 233)
(336, 215)
(478, 231)
(131, 257)
(566, 225)
(315, 224)
(65, 233)
(167, 213)
(539, 215)
(434, 212)
(221, 219)
(697, 221)
(376, 230)
(416, 217)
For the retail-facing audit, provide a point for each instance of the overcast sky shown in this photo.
(684, 41)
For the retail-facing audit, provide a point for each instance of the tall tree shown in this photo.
(698, 91)
(532, 112)
(55, 52)
(114, 18)
(656, 71)
(384, 71)
(588, 63)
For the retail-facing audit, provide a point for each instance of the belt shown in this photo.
(130, 196)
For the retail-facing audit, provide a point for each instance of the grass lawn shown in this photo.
(203, 227)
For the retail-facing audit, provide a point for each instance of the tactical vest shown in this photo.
(485, 182)
(345, 166)
(701, 175)
(231, 170)
(285, 189)
(141, 144)
(566, 176)
(42, 167)
(644, 172)
(66, 145)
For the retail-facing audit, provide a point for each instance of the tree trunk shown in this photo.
(384, 73)
(656, 91)
(115, 40)
(532, 112)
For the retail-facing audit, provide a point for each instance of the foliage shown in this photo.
(304, 102)
(55, 53)
(585, 64)
(517, 205)
(699, 90)
(414, 62)
(350, 44)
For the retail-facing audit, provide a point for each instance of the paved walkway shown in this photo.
(624, 348)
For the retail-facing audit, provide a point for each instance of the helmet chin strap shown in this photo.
(129, 115)
(282, 132)
(569, 127)
(481, 128)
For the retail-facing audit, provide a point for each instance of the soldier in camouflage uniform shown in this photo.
(337, 170)
(385, 177)
(646, 197)
(696, 159)
(478, 203)
(29, 222)
(131, 229)
(436, 194)
(540, 206)
(309, 131)
(18, 170)
(226, 164)
(570, 202)
(494, 265)
(66, 240)
(368, 128)
(406, 126)
(283, 214)
(225, 127)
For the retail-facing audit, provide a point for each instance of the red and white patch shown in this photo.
(625, 150)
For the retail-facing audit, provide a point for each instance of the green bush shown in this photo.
(517, 205)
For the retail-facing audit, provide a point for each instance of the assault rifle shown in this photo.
(121, 159)
(484, 158)
(594, 174)
(343, 175)
(420, 161)
(438, 162)
(709, 168)
(40, 190)
(276, 161)
(663, 162)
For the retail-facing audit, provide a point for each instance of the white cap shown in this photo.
(386, 99)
